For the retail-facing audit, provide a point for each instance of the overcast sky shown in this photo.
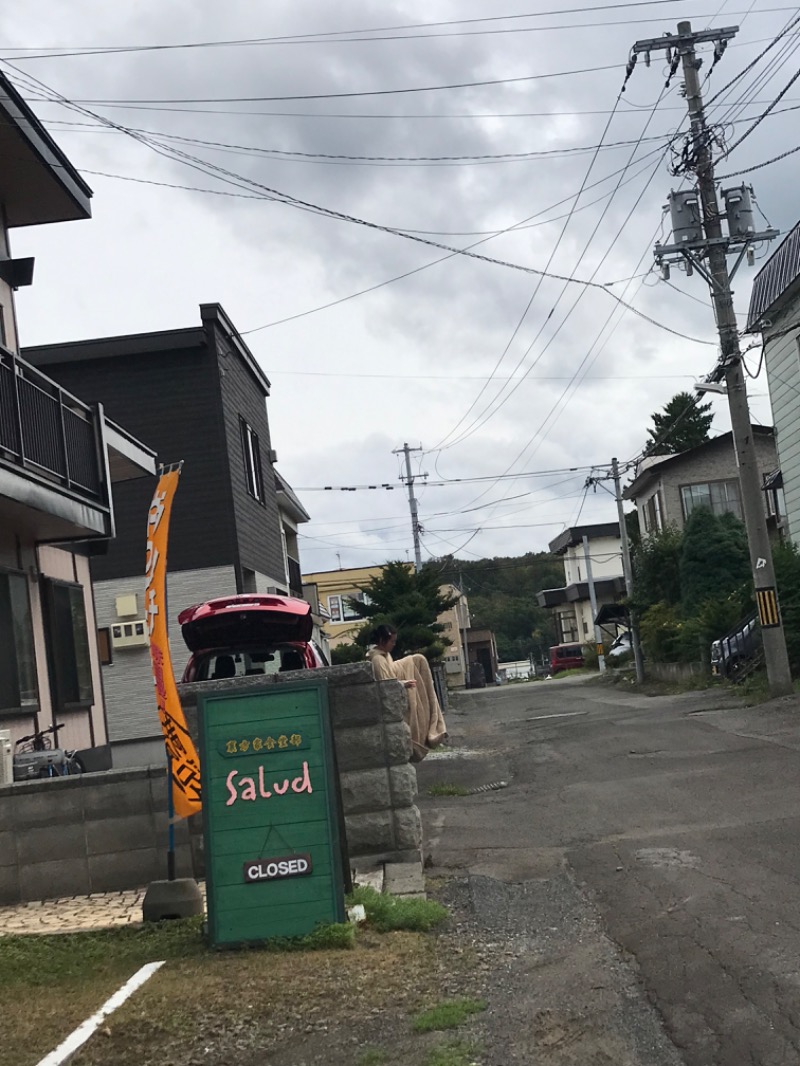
(425, 359)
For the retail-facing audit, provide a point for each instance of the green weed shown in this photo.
(453, 1053)
(447, 788)
(448, 1015)
(387, 913)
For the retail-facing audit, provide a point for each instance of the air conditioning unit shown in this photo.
(130, 634)
(6, 757)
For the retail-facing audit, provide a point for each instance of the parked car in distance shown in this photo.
(249, 635)
(565, 657)
(731, 654)
(621, 647)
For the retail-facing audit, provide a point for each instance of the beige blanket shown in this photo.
(424, 718)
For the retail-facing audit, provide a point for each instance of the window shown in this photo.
(335, 608)
(67, 645)
(348, 614)
(720, 497)
(340, 610)
(104, 645)
(19, 690)
(653, 521)
(252, 461)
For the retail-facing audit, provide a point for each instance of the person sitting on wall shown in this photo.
(424, 718)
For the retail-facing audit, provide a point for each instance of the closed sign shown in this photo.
(271, 869)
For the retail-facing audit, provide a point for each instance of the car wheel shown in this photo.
(734, 670)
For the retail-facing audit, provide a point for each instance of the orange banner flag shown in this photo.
(184, 762)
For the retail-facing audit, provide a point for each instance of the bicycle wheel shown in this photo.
(75, 766)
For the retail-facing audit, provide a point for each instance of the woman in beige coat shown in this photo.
(424, 718)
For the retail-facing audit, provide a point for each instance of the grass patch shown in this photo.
(448, 788)
(372, 1056)
(388, 913)
(448, 1015)
(453, 1053)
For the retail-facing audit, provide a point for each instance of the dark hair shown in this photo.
(382, 633)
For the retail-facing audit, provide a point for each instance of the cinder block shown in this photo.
(404, 879)
(360, 749)
(54, 880)
(368, 833)
(49, 843)
(365, 790)
(117, 834)
(48, 803)
(398, 747)
(403, 783)
(407, 828)
(126, 869)
(354, 705)
(8, 847)
(117, 799)
(394, 702)
(9, 886)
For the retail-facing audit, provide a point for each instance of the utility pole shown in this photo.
(715, 249)
(598, 635)
(462, 618)
(627, 570)
(412, 502)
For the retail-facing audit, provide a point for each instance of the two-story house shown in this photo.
(59, 457)
(198, 395)
(775, 314)
(331, 591)
(572, 604)
(667, 488)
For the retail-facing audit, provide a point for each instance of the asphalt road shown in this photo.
(641, 868)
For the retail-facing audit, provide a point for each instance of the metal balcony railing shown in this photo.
(46, 430)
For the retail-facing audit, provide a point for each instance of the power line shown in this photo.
(332, 34)
(347, 95)
(550, 259)
(296, 202)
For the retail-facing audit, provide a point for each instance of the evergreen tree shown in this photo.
(715, 561)
(656, 569)
(411, 602)
(683, 424)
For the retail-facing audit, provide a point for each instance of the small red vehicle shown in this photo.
(249, 635)
(566, 657)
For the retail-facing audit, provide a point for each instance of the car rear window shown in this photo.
(225, 664)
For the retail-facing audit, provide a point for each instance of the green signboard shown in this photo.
(270, 811)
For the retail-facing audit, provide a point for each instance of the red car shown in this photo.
(565, 657)
(248, 636)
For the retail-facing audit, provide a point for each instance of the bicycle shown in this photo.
(35, 756)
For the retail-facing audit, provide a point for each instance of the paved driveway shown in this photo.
(669, 827)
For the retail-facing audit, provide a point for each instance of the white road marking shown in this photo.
(78, 1038)
(542, 717)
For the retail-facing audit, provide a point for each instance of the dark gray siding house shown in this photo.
(196, 395)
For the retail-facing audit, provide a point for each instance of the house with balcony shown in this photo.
(572, 604)
(667, 488)
(774, 313)
(197, 394)
(62, 460)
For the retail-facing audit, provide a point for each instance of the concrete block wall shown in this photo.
(373, 748)
(95, 833)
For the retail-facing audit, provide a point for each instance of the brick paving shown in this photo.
(75, 914)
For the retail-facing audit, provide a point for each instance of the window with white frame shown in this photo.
(719, 497)
(653, 521)
(340, 608)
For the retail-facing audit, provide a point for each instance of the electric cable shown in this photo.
(304, 205)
